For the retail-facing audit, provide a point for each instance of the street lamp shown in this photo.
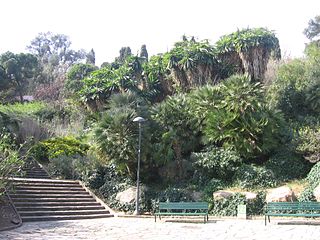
(139, 120)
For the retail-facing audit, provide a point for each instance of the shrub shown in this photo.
(309, 143)
(307, 195)
(228, 206)
(250, 176)
(69, 167)
(55, 147)
(10, 162)
(212, 186)
(313, 177)
(171, 194)
(286, 165)
(217, 162)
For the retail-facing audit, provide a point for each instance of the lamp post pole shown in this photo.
(140, 120)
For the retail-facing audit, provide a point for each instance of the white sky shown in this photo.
(108, 25)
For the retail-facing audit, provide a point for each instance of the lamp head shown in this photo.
(139, 119)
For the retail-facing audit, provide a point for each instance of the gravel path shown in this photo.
(145, 228)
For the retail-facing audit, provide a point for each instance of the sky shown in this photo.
(108, 25)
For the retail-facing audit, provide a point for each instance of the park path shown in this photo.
(145, 228)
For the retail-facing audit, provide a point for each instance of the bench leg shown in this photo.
(269, 219)
(265, 220)
(155, 218)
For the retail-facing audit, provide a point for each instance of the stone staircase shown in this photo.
(34, 170)
(45, 199)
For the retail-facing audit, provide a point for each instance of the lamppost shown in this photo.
(139, 120)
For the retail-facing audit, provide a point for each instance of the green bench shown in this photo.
(182, 209)
(292, 209)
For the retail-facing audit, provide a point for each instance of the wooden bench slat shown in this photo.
(295, 209)
(183, 209)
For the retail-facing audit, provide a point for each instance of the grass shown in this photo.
(23, 109)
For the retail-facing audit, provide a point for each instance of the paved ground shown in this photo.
(145, 228)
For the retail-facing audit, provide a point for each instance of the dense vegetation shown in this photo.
(214, 120)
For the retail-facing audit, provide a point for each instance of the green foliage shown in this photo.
(177, 123)
(228, 206)
(24, 109)
(250, 176)
(116, 139)
(8, 124)
(179, 134)
(17, 70)
(134, 75)
(244, 40)
(286, 164)
(313, 177)
(212, 186)
(307, 195)
(75, 74)
(217, 163)
(113, 183)
(55, 147)
(295, 89)
(309, 143)
(313, 29)
(10, 161)
(239, 117)
(69, 167)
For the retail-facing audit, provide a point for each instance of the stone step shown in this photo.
(44, 181)
(73, 203)
(33, 184)
(44, 199)
(38, 176)
(36, 173)
(43, 195)
(58, 218)
(58, 208)
(44, 188)
(65, 213)
(51, 191)
(33, 170)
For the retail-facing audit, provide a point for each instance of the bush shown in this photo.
(307, 195)
(212, 186)
(55, 147)
(10, 162)
(69, 167)
(250, 176)
(228, 207)
(152, 197)
(287, 165)
(113, 183)
(217, 162)
(313, 177)
(309, 143)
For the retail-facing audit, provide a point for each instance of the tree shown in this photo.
(124, 53)
(192, 64)
(240, 118)
(313, 29)
(54, 54)
(249, 50)
(116, 133)
(91, 57)
(144, 52)
(180, 134)
(76, 74)
(16, 71)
